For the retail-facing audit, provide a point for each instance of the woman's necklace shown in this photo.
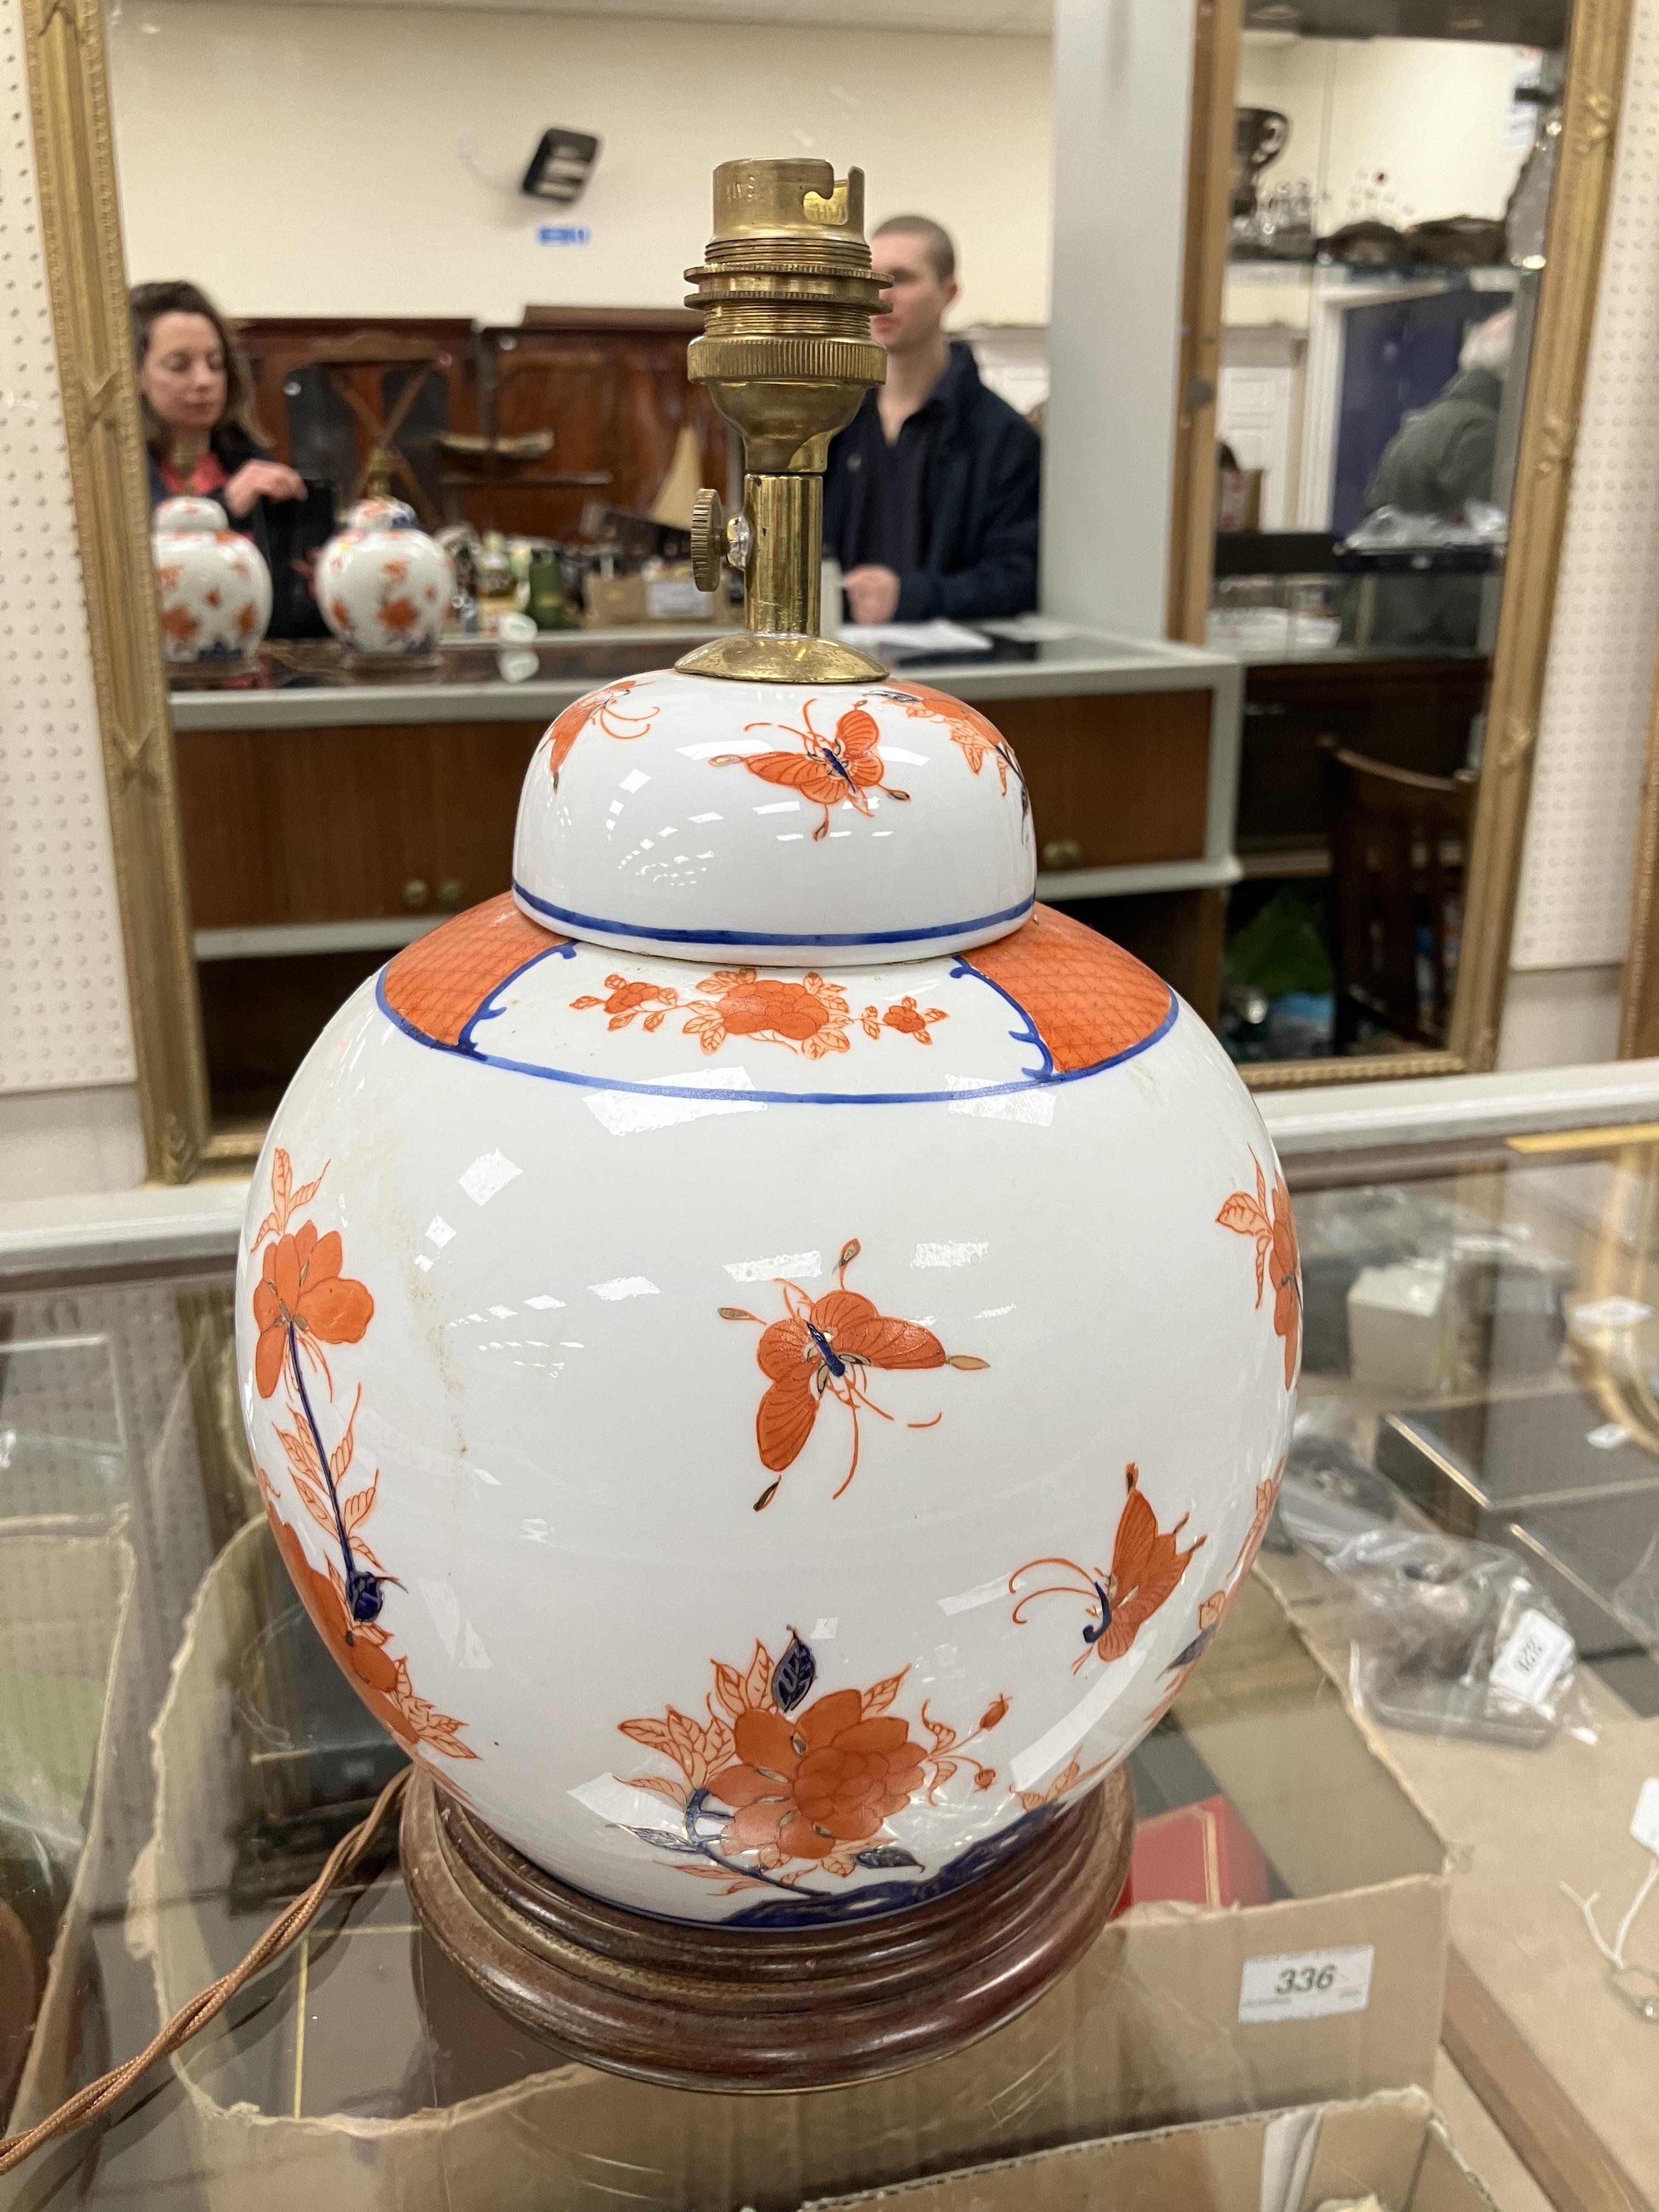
(186, 459)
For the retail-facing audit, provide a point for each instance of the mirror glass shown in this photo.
(434, 254)
(1389, 209)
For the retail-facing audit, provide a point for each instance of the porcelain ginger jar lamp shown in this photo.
(215, 590)
(384, 587)
(768, 1353)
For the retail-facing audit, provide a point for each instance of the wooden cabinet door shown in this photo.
(340, 825)
(1115, 778)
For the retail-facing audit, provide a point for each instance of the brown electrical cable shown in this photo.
(192, 2018)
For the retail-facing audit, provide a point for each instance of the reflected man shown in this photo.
(930, 503)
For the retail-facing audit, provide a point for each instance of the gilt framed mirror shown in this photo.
(1334, 278)
(1395, 219)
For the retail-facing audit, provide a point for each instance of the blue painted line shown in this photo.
(570, 920)
(489, 1010)
(469, 1051)
(1027, 1033)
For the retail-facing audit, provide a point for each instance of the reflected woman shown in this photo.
(198, 406)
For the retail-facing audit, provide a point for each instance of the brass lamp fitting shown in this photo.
(789, 290)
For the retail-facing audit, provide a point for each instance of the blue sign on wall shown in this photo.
(562, 233)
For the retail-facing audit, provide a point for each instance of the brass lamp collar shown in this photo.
(789, 290)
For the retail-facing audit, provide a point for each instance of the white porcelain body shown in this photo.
(214, 584)
(384, 586)
(829, 826)
(572, 1190)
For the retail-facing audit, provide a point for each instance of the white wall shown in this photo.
(1573, 920)
(306, 160)
(1122, 78)
(68, 1103)
(1433, 115)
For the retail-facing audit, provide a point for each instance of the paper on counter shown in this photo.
(885, 640)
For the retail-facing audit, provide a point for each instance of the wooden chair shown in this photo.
(334, 393)
(1399, 845)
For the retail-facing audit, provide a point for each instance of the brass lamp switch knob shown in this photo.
(707, 540)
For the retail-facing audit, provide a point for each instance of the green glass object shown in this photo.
(547, 603)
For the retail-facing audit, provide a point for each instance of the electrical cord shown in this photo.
(99, 2096)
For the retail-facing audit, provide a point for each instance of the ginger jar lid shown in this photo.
(381, 515)
(809, 825)
(188, 514)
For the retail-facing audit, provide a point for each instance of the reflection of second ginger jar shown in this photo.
(214, 589)
(384, 586)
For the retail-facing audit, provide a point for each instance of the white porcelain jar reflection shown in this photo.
(214, 585)
(383, 585)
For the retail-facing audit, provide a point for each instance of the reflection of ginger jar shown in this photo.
(384, 586)
(769, 1355)
(215, 590)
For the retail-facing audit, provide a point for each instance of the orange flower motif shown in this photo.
(301, 1288)
(626, 999)
(907, 1017)
(786, 1784)
(400, 615)
(802, 1786)
(359, 1648)
(809, 1016)
(179, 623)
(1277, 1260)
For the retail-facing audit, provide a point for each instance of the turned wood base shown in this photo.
(760, 2009)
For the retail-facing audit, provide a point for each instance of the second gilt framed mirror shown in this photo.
(1396, 218)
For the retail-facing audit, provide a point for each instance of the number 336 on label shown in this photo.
(1305, 1984)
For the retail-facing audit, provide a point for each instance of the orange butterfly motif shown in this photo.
(842, 765)
(977, 737)
(824, 1348)
(1147, 1565)
(600, 707)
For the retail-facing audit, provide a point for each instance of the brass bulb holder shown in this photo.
(788, 290)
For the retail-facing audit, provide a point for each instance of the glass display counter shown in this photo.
(1392, 1833)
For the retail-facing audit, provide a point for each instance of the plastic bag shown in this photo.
(1457, 1639)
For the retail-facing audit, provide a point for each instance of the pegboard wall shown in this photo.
(1581, 833)
(64, 1019)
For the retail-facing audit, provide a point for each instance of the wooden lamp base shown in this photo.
(710, 2008)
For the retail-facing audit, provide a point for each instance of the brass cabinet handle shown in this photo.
(450, 892)
(416, 893)
(1062, 853)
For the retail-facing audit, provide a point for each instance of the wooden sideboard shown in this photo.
(319, 833)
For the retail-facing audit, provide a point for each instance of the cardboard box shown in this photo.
(1391, 2148)
(393, 2085)
(65, 1619)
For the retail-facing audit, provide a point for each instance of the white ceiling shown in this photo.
(987, 18)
